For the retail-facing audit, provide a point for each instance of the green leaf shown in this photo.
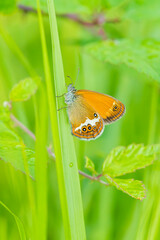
(23, 90)
(143, 56)
(11, 150)
(148, 11)
(7, 6)
(133, 188)
(5, 113)
(90, 166)
(122, 160)
(18, 222)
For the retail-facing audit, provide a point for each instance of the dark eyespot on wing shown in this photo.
(89, 134)
(84, 129)
(116, 114)
(115, 108)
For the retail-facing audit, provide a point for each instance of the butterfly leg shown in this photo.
(61, 95)
(61, 108)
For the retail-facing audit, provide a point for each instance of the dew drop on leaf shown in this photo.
(71, 164)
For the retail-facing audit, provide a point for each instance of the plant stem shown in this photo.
(51, 154)
(96, 178)
(98, 20)
(22, 126)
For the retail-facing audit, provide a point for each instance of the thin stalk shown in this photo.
(51, 154)
(22, 126)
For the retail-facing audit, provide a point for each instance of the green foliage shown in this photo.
(7, 6)
(90, 166)
(11, 150)
(61, 6)
(142, 56)
(5, 113)
(123, 160)
(136, 26)
(23, 90)
(133, 188)
(148, 11)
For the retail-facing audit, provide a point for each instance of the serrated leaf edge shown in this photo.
(112, 180)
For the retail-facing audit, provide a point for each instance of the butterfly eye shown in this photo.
(84, 129)
(95, 114)
(89, 127)
(115, 108)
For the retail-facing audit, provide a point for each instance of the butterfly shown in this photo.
(90, 111)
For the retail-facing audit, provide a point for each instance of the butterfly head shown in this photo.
(70, 95)
(71, 88)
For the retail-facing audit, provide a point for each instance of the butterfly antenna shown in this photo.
(70, 79)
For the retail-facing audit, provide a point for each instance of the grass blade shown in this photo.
(67, 171)
(18, 222)
(16, 50)
(54, 125)
(41, 166)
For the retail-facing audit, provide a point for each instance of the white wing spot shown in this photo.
(88, 121)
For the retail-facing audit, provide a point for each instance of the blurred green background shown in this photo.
(109, 214)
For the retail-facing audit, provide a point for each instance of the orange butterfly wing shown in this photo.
(86, 123)
(109, 108)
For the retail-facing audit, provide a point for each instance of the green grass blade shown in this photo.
(153, 113)
(54, 125)
(30, 192)
(149, 221)
(18, 222)
(16, 50)
(67, 171)
(41, 167)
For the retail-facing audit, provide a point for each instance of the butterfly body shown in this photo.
(89, 111)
